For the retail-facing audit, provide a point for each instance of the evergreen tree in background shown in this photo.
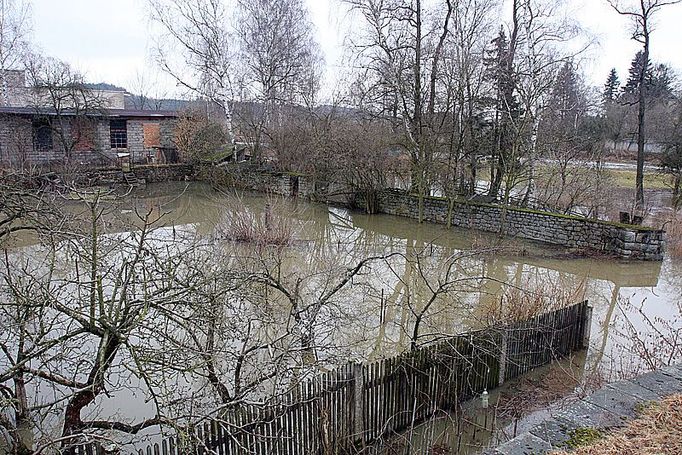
(632, 84)
(659, 83)
(611, 87)
(657, 80)
(566, 100)
(500, 73)
(565, 112)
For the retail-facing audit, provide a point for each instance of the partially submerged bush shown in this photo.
(269, 227)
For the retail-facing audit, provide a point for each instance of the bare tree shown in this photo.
(641, 14)
(27, 203)
(64, 103)
(15, 24)
(200, 32)
(197, 137)
(570, 178)
(401, 54)
(465, 89)
(147, 92)
(671, 161)
(282, 57)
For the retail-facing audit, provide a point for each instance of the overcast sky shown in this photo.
(110, 40)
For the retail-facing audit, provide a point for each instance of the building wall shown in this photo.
(16, 142)
(139, 145)
(18, 94)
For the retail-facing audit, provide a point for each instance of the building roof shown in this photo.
(115, 113)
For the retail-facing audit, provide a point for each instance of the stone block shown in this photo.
(659, 383)
(584, 414)
(627, 236)
(525, 444)
(614, 401)
(556, 431)
(634, 390)
(674, 370)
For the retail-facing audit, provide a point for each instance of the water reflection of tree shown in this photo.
(206, 325)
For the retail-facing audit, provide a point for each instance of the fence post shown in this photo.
(358, 385)
(503, 356)
(587, 325)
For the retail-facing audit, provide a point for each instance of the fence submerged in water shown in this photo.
(349, 409)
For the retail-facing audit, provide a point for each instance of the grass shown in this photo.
(582, 437)
(657, 430)
(652, 180)
(622, 178)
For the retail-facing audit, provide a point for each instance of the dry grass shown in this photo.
(658, 430)
(673, 235)
(267, 228)
(532, 299)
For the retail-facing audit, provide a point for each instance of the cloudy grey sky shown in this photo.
(109, 40)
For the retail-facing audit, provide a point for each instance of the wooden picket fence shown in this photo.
(347, 410)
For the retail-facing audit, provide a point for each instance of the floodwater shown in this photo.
(348, 236)
(373, 317)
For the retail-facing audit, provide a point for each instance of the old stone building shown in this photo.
(80, 133)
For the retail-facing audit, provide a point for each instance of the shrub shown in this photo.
(267, 228)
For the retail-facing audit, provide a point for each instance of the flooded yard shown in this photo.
(424, 282)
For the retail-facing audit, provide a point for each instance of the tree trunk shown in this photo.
(73, 423)
(641, 112)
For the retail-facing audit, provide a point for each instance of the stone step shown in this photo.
(131, 179)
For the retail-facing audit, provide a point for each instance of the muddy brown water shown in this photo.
(623, 294)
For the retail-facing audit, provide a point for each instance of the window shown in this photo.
(118, 131)
(42, 135)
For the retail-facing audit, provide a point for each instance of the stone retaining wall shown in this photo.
(625, 241)
(114, 176)
(246, 177)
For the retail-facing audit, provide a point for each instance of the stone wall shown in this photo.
(250, 178)
(16, 141)
(167, 132)
(114, 176)
(625, 241)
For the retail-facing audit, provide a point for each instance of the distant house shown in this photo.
(39, 133)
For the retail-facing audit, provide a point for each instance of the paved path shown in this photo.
(609, 407)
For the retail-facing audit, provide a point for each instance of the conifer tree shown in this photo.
(611, 87)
